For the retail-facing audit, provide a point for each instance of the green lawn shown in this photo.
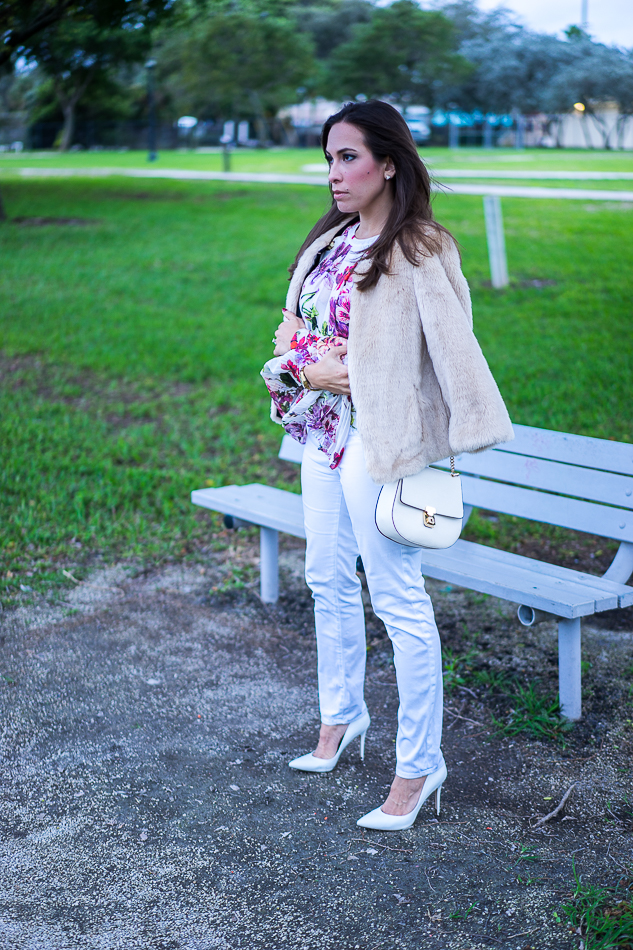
(292, 160)
(130, 347)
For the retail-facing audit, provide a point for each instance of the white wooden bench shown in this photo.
(568, 480)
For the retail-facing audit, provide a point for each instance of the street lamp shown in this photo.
(150, 66)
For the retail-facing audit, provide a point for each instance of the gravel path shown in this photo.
(146, 801)
(507, 191)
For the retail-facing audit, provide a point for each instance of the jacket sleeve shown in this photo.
(478, 416)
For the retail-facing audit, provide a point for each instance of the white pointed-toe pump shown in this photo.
(309, 762)
(382, 822)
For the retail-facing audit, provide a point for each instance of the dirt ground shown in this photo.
(146, 800)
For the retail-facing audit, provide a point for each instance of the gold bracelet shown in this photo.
(305, 382)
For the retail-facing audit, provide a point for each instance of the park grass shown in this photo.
(292, 160)
(603, 916)
(130, 350)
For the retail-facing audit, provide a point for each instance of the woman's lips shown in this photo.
(337, 195)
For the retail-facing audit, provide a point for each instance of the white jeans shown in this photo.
(339, 508)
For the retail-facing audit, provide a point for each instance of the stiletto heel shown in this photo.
(379, 820)
(310, 763)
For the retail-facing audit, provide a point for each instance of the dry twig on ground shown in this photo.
(558, 808)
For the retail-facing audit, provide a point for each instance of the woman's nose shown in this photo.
(334, 173)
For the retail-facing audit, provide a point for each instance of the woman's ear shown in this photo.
(390, 168)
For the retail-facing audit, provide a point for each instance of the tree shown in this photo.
(404, 52)
(74, 52)
(330, 25)
(622, 91)
(22, 22)
(234, 64)
(513, 67)
(594, 74)
(517, 70)
(471, 23)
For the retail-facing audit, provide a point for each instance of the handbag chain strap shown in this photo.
(453, 472)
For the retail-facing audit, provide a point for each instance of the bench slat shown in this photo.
(481, 560)
(583, 450)
(511, 582)
(601, 454)
(291, 450)
(585, 516)
(259, 504)
(587, 483)
(589, 581)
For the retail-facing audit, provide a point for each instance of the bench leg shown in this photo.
(269, 565)
(569, 676)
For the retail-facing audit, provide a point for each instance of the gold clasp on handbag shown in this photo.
(429, 516)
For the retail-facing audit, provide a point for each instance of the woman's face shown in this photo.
(359, 182)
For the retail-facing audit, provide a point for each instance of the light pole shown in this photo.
(453, 131)
(488, 140)
(150, 66)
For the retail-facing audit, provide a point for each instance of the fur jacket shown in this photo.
(421, 386)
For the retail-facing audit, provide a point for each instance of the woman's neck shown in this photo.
(373, 219)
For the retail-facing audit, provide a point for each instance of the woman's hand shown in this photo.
(285, 332)
(330, 373)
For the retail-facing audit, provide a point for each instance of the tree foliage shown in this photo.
(237, 64)
(511, 71)
(77, 52)
(23, 22)
(517, 70)
(73, 41)
(403, 52)
(593, 74)
(330, 25)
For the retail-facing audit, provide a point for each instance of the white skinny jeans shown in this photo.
(339, 508)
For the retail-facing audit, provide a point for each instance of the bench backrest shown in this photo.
(568, 480)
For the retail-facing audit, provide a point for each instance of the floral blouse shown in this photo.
(324, 307)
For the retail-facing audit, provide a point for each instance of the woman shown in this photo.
(378, 372)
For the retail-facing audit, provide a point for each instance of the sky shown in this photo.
(609, 21)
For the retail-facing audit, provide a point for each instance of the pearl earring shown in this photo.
(387, 177)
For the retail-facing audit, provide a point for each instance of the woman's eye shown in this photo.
(348, 157)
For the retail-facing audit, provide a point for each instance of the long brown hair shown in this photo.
(410, 220)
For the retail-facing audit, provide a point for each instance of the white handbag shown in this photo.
(424, 510)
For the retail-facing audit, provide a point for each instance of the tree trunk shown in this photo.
(68, 108)
(3, 214)
(261, 128)
(68, 102)
(623, 120)
(585, 130)
(559, 131)
(602, 129)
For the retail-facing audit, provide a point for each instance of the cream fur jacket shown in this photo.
(420, 384)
